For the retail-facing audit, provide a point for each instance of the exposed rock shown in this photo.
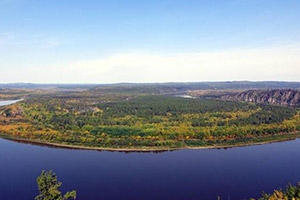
(278, 97)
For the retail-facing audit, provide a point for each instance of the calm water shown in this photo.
(8, 102)
(235, 173)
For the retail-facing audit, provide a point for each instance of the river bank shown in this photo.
(258, 141)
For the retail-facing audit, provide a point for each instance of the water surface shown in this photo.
(236, 173)
(8, 102)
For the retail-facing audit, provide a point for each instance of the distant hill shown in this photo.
(277, 97)
(175, 86)
(44, 86)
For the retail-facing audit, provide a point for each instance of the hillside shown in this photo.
(276, 97)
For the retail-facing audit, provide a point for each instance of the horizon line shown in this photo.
(167, 82)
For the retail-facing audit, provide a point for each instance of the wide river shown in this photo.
(235, 173)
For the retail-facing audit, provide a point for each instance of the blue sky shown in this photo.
(68, 41)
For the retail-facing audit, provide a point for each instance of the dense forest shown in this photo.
(137, 118)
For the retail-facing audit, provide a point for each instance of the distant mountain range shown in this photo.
(172, 85)
(45, 86)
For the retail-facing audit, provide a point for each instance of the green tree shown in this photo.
(48, 186)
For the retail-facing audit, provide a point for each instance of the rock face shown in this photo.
(278, 97)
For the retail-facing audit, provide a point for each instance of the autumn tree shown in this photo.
(48, 186)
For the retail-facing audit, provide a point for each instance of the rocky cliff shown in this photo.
(278, 97)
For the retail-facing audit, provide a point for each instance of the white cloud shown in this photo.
(250, 64)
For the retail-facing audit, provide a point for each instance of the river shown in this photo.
(235, 173)
(9, 102)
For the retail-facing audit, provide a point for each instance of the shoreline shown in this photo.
(289, 137)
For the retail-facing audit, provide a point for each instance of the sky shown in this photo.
(109, 41)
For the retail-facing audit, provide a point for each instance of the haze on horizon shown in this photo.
(96, 41)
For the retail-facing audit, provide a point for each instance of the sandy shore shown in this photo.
(68, 146)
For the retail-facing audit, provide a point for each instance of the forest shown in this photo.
(136, 118)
